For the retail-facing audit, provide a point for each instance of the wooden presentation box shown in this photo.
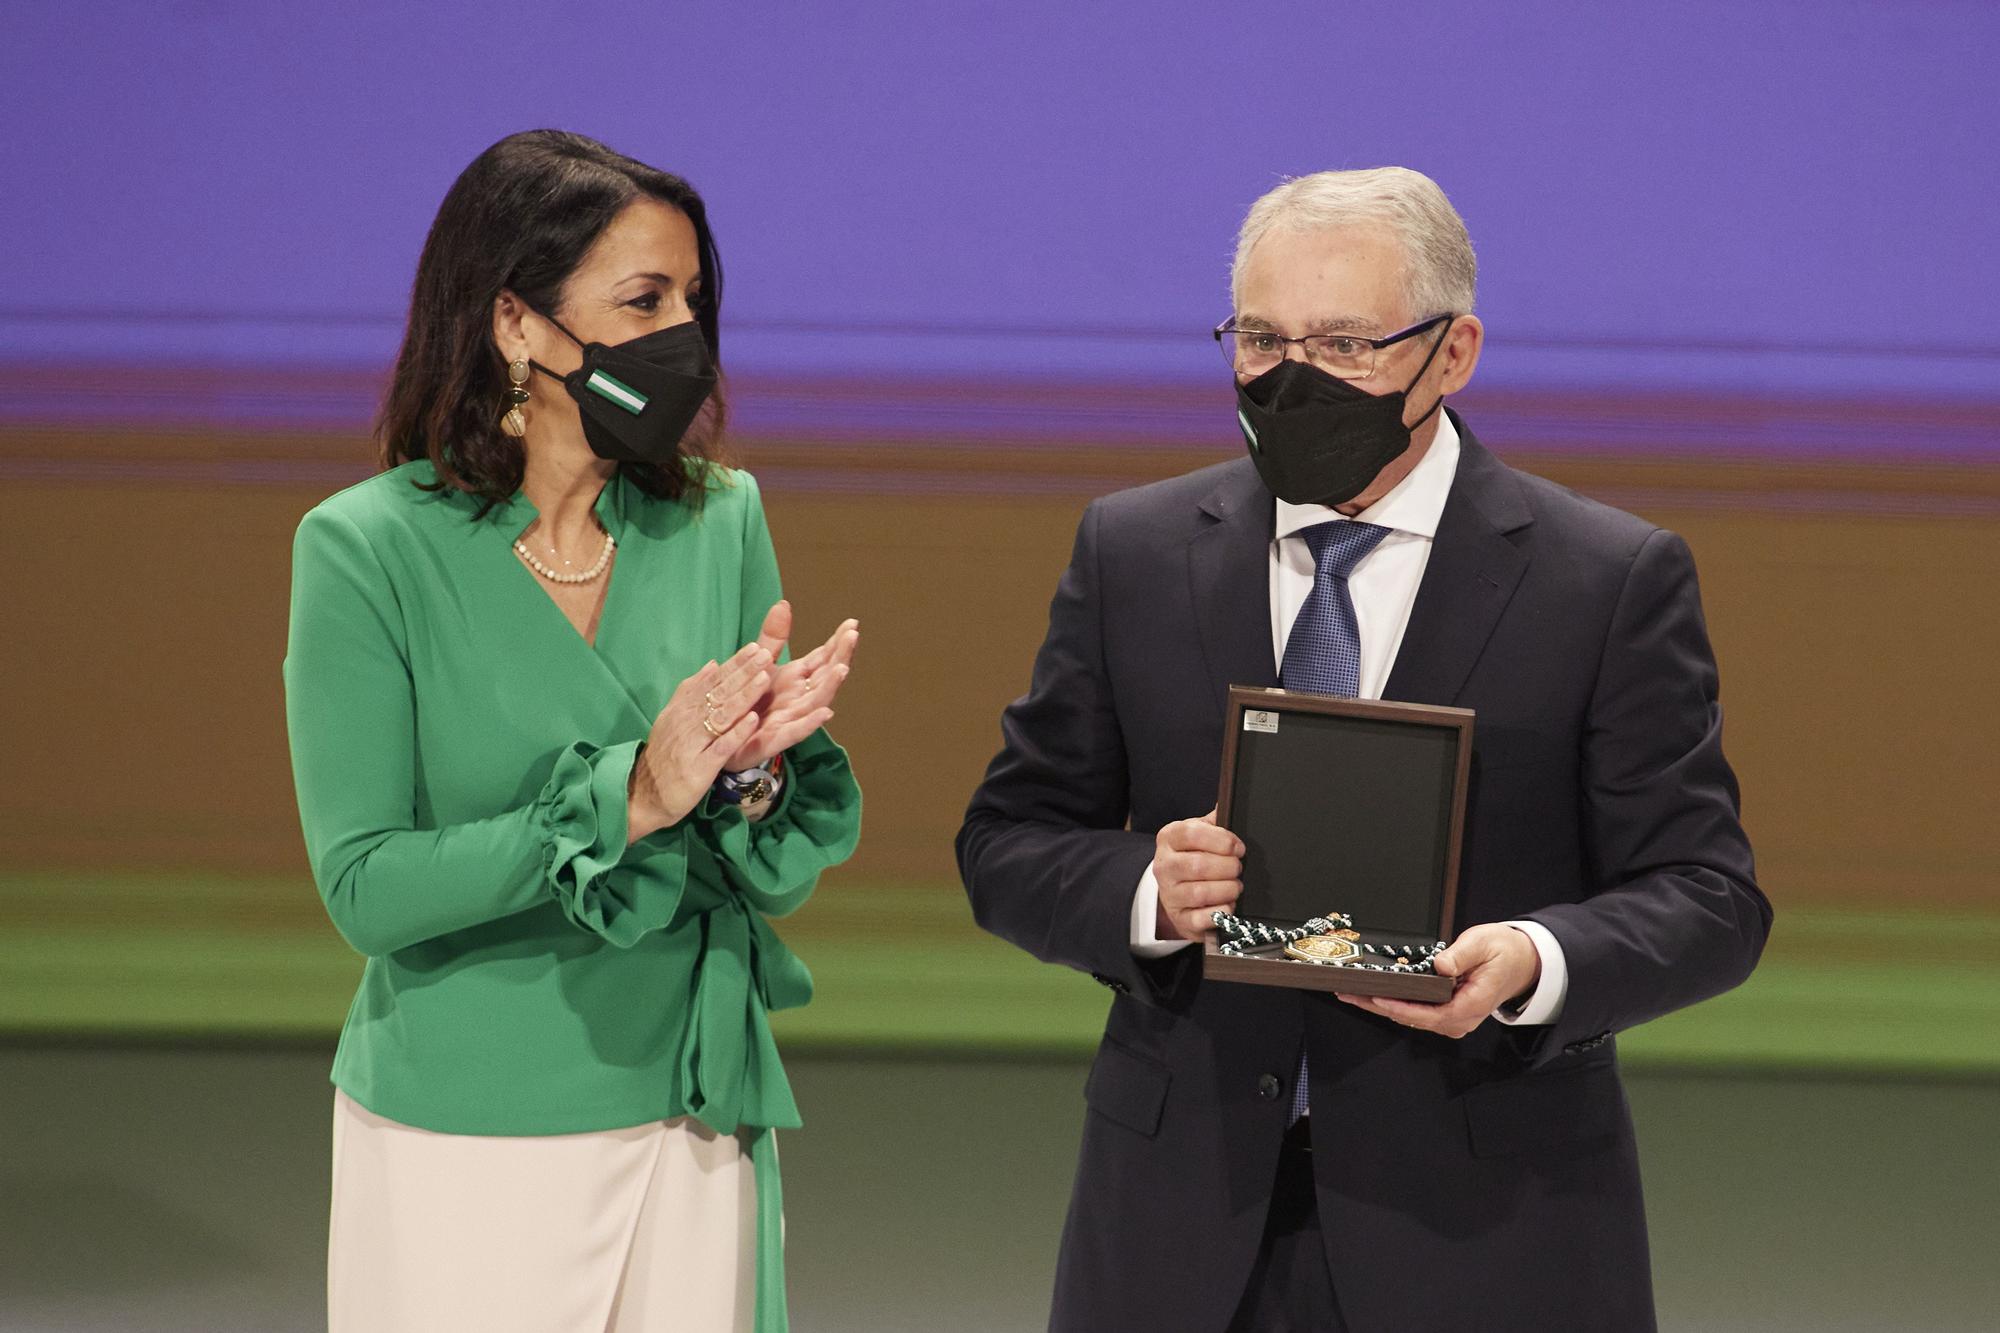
(1343, 805)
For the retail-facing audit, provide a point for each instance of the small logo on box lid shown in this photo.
(1255, 720)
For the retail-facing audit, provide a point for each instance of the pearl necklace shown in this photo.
(587, 576)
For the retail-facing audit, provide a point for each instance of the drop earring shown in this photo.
(514, 422)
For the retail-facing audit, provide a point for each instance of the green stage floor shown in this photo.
(182, 1188)
(903, 968)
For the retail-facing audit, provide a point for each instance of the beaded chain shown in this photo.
(1245, 933)
(1249, 933)
(1420, 958)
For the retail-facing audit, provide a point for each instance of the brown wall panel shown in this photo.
(145, 616)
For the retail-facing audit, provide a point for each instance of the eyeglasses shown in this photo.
(1344, 356)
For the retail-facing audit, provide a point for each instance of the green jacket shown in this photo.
(461, 755)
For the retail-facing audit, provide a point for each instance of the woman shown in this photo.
(554, 774)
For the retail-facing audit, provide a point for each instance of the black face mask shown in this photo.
(1318, 440)
(638, 399)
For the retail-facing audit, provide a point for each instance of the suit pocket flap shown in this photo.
(1127, 1087)
(1539, 1114)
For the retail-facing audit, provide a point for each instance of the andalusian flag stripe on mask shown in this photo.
(620, 393)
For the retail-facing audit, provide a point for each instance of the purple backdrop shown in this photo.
(1739, 197)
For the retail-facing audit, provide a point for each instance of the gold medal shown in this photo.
(1323, 949)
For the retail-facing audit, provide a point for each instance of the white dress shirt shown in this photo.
(1383, 587)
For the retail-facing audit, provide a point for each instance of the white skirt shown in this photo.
(617, 1231)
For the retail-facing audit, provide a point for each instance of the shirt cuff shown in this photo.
(1544, 1004)
(1146, 941)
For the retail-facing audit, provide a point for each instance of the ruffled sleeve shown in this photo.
(775, 862)
(618, 892)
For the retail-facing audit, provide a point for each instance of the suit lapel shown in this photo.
(1468, 581)
(1229, 570)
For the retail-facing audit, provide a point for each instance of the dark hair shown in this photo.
(520, 219)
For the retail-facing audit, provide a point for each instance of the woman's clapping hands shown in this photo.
(735, 715)
(800, 698)
(710, 717)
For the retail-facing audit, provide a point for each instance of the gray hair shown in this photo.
(1439, 274)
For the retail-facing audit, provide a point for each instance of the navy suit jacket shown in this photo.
(1487, 1183)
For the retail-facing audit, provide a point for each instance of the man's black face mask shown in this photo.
(1319, 440)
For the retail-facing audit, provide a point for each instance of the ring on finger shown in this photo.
(708, 725)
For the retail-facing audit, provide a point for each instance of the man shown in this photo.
(1265, 1158)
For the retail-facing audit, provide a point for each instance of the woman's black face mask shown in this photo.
(639, 397)
(1319, 440)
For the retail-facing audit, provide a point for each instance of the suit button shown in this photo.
(1268, 1087)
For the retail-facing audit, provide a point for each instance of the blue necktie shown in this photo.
(1323, 650)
